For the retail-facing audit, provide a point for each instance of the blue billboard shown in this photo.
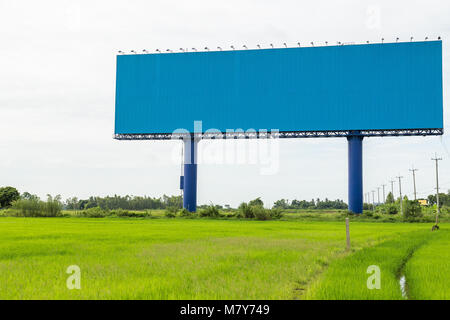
(353, 87)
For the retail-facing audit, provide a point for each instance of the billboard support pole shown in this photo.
(355, 173)
(190, 174)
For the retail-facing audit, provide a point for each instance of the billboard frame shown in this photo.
(284, 134)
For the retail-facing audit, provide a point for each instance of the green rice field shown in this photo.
(163, 258)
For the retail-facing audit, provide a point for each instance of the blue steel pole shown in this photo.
(190, 174)
(355, 174)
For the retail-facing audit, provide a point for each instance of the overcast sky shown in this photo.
(57, 86)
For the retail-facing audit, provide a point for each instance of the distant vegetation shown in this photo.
(313, 204)
(28, 205)
(252, 210)
(32, 206)
(412, 210)
(444, 199)
(124, 202)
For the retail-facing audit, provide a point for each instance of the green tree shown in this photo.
(281, 204)
(245, 211)
(257, 202)
(390, 198)
(412, 210)
(8, 195)
(389, 208)
(53, 206)
(28, 196)
(444, 199)
(72, 203)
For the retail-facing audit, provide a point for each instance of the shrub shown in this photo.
(260, 213)
(170, 212)
(276, 213)
(185, 213)
(245, 211)
(368, 213)
(412, 210)
(147, 213)
(95, 212)
(390, 209)
(120, 213)
(28, 207)
(209, 211)
(34, 207)
(124, 213)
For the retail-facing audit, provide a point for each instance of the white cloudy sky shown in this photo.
(57, 84)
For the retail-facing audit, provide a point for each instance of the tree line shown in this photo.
(124, 202)
(313, 204)
(10, 194)
(444, 199)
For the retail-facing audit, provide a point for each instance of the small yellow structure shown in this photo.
(423, 202)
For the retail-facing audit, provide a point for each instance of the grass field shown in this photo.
(347, 278)
(212, 259)
(429, 268)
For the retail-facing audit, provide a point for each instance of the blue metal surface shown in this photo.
(190, 175)
(355, 174)
(181, 182)
(356, 87)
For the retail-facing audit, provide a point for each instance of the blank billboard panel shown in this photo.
(354, 87)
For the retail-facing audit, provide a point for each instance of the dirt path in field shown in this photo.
(401, 275)
(402, 281)
(302, 286)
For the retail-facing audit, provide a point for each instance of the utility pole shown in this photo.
(437, 186)
(392, 188)
(414, 181)
(400, 190)
(378, 190)
(384, 195)
(373, 199)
